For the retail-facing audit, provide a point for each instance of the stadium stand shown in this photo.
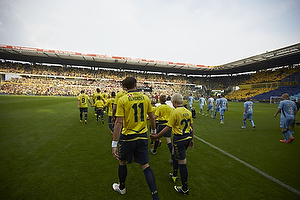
(68, 81)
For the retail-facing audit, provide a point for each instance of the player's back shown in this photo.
(180, 120)
(287, 108)
(110, 104)
(249, 106)
(134, 107)
(163, 112)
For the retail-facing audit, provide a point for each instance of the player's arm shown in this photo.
(113, 113)
(161, 133)
(117, 132)
(244, 111)
(278, 111)
(90, 103)
(191, 145)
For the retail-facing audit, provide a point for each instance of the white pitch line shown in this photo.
(251, 167)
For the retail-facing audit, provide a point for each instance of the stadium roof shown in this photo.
(281, 57)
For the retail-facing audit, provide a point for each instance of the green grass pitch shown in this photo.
(46, 153)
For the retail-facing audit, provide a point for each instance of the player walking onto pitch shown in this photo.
(162, 115)
(217, 108)
(131, 141)
(248, 113)
(83, 105)
(99, 106)
(223, 106)
(210, 105)
(288, 111)
(181, 123)
(202, 102)
(95, 96)
(191, 101)
(110, 104)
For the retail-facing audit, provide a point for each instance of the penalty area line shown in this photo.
(251, 167)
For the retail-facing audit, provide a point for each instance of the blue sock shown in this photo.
(150, 179)
(183, 176)
(285, 135)
(244, 123)
(85, 116)
(252, 122)
(122, 175)
(290, 133)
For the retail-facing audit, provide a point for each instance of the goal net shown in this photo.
(275, 99)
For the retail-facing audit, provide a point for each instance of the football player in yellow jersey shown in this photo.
(104, 95)
(95, 95)
(162, 115)
(131, 141)
(83, 100)
(109, 104)
(181, 123)
(99, 105)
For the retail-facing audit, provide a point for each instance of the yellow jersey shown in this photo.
(134, 107)
(180, 120)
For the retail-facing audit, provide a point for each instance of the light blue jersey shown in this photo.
(223, 105)
(248, 108)
(287, 113)
(191, 101)
(202, 101)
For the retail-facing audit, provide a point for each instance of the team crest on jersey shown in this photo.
(129, 95)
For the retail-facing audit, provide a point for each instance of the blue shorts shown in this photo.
(210, 107)
(201, 106)
(181, 143)
(83, 110)
(248, 115)
(161, 125)
(99, 111)
(134, 147)
(222, 111)
(286, 122)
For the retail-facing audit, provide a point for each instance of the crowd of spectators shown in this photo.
(69, 81)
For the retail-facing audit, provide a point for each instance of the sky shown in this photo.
(210, 32)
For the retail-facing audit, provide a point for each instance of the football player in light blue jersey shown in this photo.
(248, 113)
(191, 101)
(202, 102)
(210, 106)
(223, 105)
(287, 110)
(217, 109)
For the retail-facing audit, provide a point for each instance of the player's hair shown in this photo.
(177, 98)
(286, 96)
(129, 82)
(247, 98)
(153, 101)
(82, 91)
(162, 98)
(113, 94)
(98, 90)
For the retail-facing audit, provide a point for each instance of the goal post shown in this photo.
(275, 99)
